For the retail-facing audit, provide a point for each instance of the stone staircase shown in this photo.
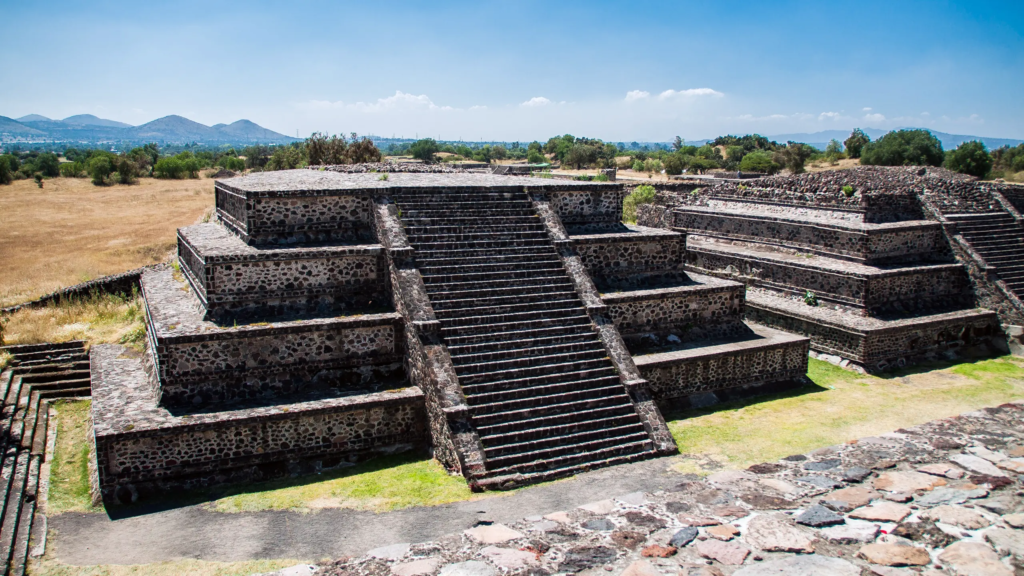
(999, 239)
(544, 397)
(38, 373)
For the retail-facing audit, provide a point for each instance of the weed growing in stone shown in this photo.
(641, 195)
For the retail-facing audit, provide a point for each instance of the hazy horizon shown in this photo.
(643, 72)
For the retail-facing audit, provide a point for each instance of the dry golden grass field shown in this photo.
(71, 231)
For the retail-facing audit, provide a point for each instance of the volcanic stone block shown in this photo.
(594, 208)
(632, 257)
(199, 363)
(233, 279)
(143, 448)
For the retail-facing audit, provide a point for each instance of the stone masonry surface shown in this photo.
(941, 499)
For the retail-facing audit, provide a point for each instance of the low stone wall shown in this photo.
(867, 243)
(632, 257)
(123, 283)
(772, 357)
(199, 363)
(142, 449)
(233, 279)
(867, 291)
(585, 210)
(708, 308)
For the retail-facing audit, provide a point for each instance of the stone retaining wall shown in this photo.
(589, 210)
(633, 257)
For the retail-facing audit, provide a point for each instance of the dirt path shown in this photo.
(195, 532)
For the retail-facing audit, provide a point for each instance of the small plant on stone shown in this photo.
(383, 176)
(810, 299)
(848, 190)
(601, 178)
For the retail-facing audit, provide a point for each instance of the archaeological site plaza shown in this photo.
(517, 329)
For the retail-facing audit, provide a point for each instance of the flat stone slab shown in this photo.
(957, 516)
(906, 482)
(801, 566)
(493, 534)
(895, 555)
(416, 567)
(973, 559)
(860, 533)
(776, 534)
(882, 512)
(977, 465)
(727, 553)
(470, 568)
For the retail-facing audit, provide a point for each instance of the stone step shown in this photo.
(13, 506)
(527, 348)
(598, 430)
(444, 284)
(59, 385)
(59, 365)
(584, 446)
(549, 414)
(518, 331)
(465, 350)
(66, 393)
(548, 302)
(495, 276)
(415, 230)
(23, 537)
(42, 377)
(468, 236)
(442, 299)
(536, 404)
(535, 369)
(422, 214)
(454, 268)
(546, 255)
(476, 244)
(571, 384)
(594, 422)
(639, 449)
(455, 205)
(464, 220)
(486, 252)
(545, 316)
(515, 382)
(529, 357)
(28, 351)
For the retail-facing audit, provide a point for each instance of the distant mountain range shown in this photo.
(949, 141)
(89, 129)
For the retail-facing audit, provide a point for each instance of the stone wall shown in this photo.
(143, 449)
(633, 257)
(589, 210)
(920, 288)
(233, 279)
(865, 243)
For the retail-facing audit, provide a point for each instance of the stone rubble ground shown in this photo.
(943, 498)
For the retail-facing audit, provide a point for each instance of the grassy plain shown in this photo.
(71, 231)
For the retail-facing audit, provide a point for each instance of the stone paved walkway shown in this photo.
(944, 498)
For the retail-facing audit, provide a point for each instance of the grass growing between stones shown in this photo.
(97, 318)
(840, 406)
(48, 567)
(380, 485)
(69, 468)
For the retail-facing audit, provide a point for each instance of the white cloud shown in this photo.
(689, 92)
(536, 101)
(400, 101)
(868, 109)
(475, 108)
(637, 95)
(829, 115)
(874, 117)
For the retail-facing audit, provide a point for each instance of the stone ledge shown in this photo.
(216, 245)
(814, 220)
(628, 233)
(763, 338)
(701, 284)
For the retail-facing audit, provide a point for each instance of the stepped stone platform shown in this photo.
(329, 316)
(232, 278)
(862, 261)
(38, 374)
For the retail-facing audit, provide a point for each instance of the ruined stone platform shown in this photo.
(200, 362)
(234, 279)
(876, 344)
(143, 448)
(858, 287)
(628, 256)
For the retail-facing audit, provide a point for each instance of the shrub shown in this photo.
(904, 148)
(848, 190)
(673, 164)
(231, 163)
(641, 195)
(286, 158)
(6, 174)
(970, 158)
(601, 178)
(535, 157)
(638, 166)
(653, 165)
(72, 169)
(48, 164)
(127, 170)
(735, 153)
(699, 165)
(581, 156)
(759, 161)
(856, 142)
(794, 156)
(39, 179)
(169, 168)
(100, 167)
(424, 150)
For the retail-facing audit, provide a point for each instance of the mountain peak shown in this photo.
(33, 118)
(90, 120)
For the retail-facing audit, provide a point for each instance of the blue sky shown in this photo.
(525, 70)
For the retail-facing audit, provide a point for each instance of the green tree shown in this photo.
(127, 170)
(287, 158)
(794, 156)
(640, 195)
(856, 142)
(735, 153)
(499, 152)
(424, 149)
(48, 164)
(674, 164)
(169, 167)
(677, 144)
(904, 148)
(72, 169)
(581, 156)
(535, 157)
(759, 161)
(970, 158)
(6, 174)
(100, 168)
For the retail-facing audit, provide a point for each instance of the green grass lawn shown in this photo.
(839, 406)
(48, 567)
